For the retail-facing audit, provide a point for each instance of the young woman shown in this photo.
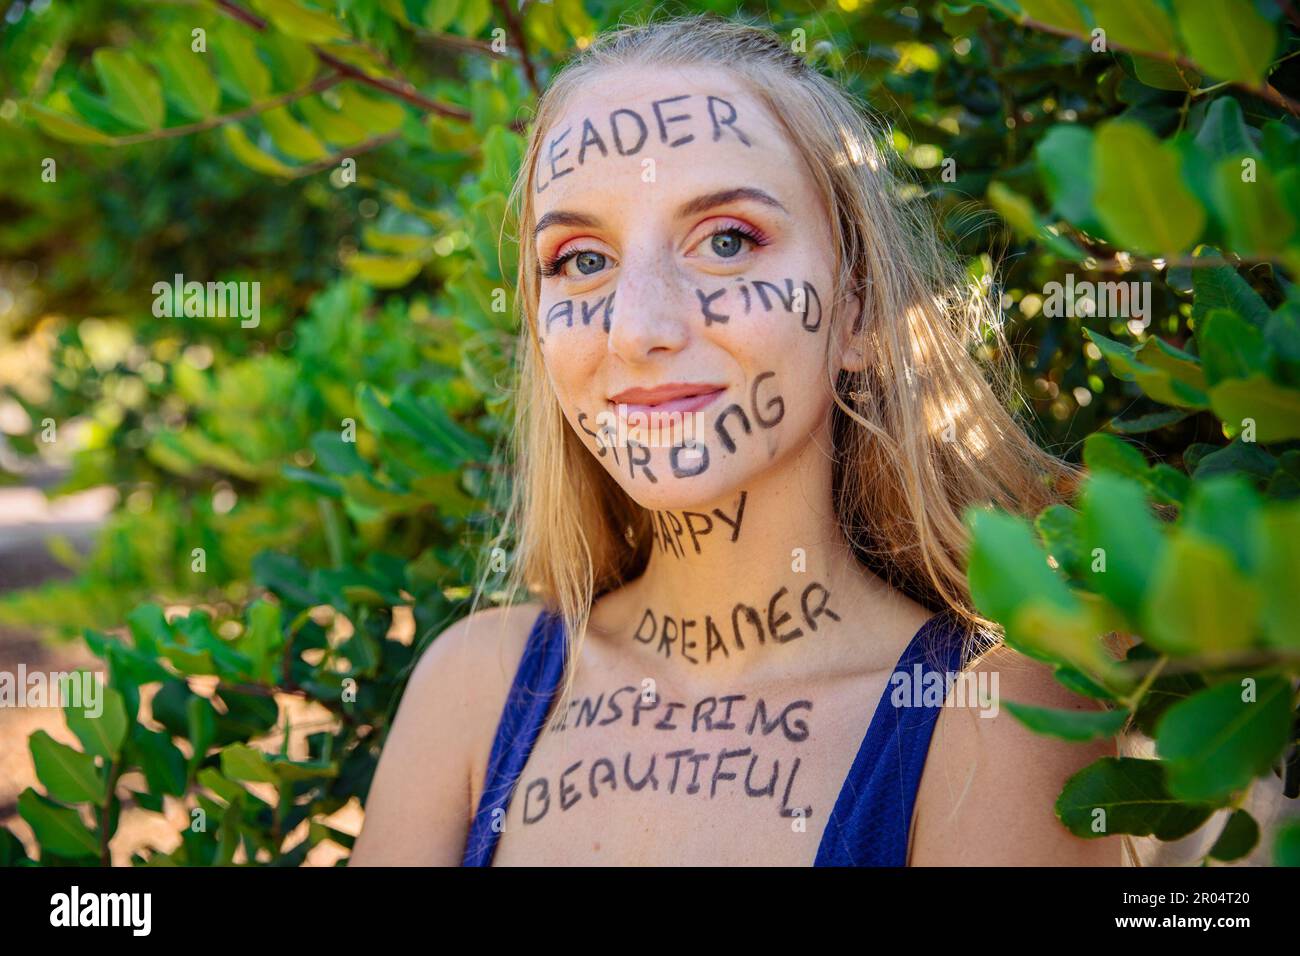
(748, 424)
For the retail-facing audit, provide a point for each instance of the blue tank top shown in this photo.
(873, 813)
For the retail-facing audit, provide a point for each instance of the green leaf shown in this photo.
(241, 68)
(1231, 347)
(67, 774)
(383, 272)
(376, 115)
(1139, 25)
(1199, 603)
(1079, 725)
(252, 156)
(58, 829)
(1058, 13)
(162, 762)
(292, 138)
(311, 26)
(1158, 383)
(1229, 38)
(103, 734)
(1140, 196)
(1216, 742)
(1286, 848)
(1126, 795)
(189, 82)
(1278, 531)
(330, 123)
(1224, 131)
(1256, 218)
(1274, 409)
(1240, 835)
(1064, 157)
(65, 127)
(474, 16)
(1218, 287)
(439, 14)
(131, 89)
(1121, 540)
(241, 762)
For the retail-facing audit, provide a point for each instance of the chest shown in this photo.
(639, 774)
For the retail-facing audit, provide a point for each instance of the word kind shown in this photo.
(799, 301)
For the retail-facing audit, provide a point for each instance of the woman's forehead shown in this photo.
(682, 119)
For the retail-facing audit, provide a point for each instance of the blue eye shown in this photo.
(726, 244)
(590, 262)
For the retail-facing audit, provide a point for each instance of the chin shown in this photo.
(670, 493)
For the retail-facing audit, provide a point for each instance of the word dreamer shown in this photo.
(627, 130)
(663, 633)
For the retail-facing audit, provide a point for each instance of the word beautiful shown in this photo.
(666, 528)
(664, 632)
(216, 300)
(691, 458)
(629, 132)
(711, 714)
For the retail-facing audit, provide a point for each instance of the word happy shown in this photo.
(666, 528)
(628, 132)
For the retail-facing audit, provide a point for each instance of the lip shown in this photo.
(674, 397)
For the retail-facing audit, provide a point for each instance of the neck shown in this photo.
(760, 579)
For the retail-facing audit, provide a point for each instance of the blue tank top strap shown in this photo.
(873, 814)
(529, 701)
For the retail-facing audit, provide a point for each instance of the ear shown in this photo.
(851, 343)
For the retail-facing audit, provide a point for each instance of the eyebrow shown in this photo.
(691, 207)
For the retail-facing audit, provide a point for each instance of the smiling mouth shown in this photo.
(680, 404)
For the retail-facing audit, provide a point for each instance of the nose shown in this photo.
(650, 308)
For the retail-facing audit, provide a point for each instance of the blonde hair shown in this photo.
(919, 435)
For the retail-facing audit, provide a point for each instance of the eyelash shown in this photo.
(552, 266)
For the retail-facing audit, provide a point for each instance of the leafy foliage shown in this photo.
(305, 485)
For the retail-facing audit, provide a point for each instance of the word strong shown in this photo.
(665, 633)
(625, 132)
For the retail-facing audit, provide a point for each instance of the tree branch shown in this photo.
(403, 89)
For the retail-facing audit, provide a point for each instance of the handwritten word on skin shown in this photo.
(666, 528)
(692, 458)
(799, 300)
(666, 632)
(628, 131)
(602, 773)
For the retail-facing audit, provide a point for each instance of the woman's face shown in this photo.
(686, 288)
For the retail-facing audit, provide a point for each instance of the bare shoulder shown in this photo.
(988, 793)
(426, 785)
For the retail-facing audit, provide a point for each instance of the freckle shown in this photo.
(595, 847)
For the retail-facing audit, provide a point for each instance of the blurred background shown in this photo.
(252, 519)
